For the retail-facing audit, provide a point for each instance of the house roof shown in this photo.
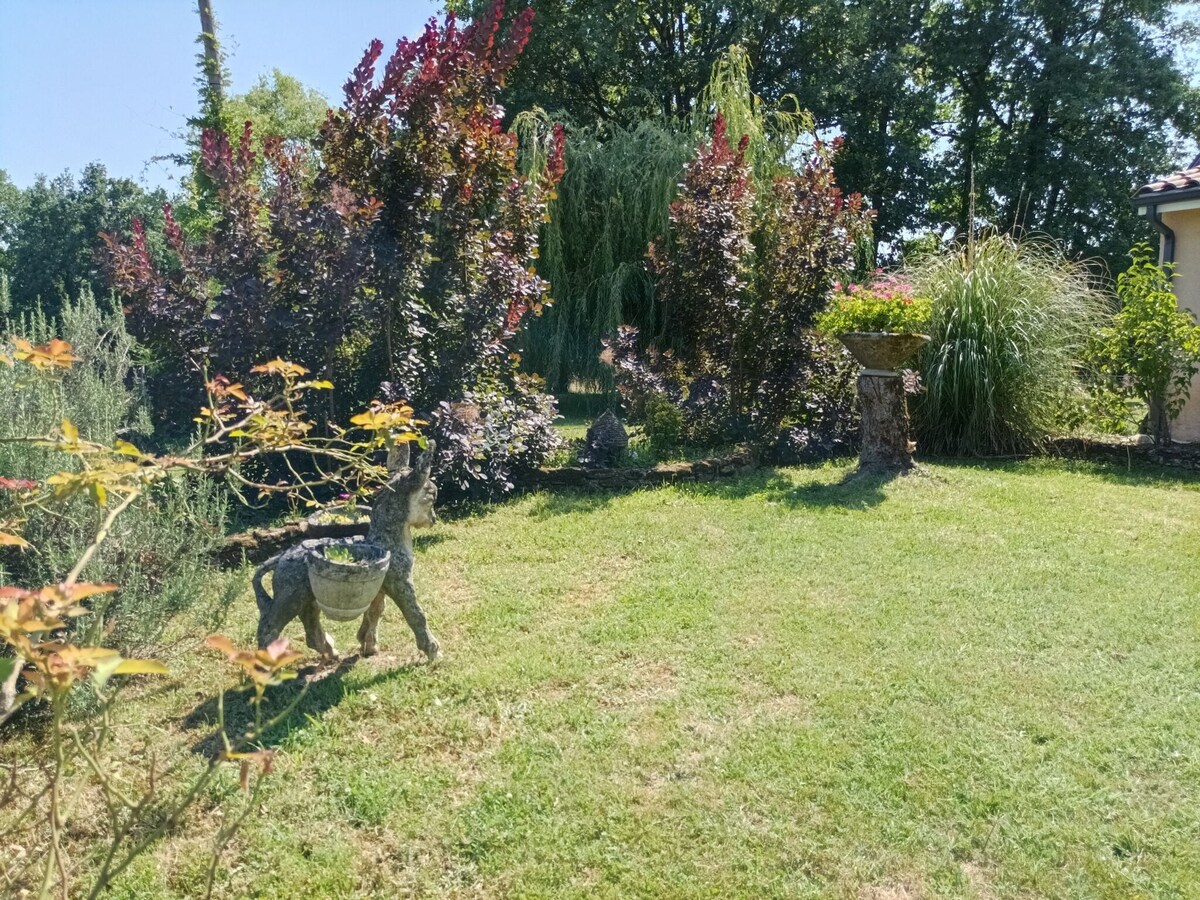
(1181, 185)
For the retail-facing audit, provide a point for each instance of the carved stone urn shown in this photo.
(885, 443)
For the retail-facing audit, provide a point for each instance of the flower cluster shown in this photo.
(887, 304)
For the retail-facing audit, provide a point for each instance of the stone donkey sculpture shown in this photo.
(404, 503)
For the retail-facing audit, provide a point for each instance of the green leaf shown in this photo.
(141, 667)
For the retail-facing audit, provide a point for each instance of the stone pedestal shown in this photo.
(881, 398)
(884, 407)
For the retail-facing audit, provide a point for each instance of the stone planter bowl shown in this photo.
(340, 514)
(882, 350)
(344, 590)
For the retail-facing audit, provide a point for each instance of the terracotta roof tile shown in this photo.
(1180, 181)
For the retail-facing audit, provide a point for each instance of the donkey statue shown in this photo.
(404, 503)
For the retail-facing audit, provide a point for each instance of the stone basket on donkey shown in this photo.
(404, 503)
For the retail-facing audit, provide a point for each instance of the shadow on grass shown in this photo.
(857, 489)
(425, 541)
(853, 490)
(316, 689)
(1135, 472)
(561, 503)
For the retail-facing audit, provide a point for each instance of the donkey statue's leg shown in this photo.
(314, 634)
(368, 631)
(289, 595)
(398, 585)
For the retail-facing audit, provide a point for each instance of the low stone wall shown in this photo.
(1126, 450)
(580, 478)
(262, 543)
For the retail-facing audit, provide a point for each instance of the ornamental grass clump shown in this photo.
(887, 305)
(1009, 322)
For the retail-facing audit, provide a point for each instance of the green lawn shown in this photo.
(980, 683)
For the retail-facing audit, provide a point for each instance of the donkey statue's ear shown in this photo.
(425, 460)
(398, 457)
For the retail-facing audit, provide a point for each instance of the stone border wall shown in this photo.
(580, 478)
(1126, 450)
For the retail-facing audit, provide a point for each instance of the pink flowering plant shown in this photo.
(887, 304)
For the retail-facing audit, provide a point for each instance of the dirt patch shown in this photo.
(900, 891)
(979, 881)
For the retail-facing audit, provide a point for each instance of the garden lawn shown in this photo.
(979, 683)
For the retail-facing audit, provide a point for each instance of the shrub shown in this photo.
(1151, 340)
(641, 373)
(704, 268)
(413, 225)
(885, 305)
(742, 275)
(825, 424)
(662, 425)
(486, 441)
(159, 552)
(1010, 320)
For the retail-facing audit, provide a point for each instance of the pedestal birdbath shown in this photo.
(885, 443)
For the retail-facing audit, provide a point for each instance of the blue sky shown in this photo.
(113, 80)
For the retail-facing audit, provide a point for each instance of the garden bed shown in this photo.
(1125, 450)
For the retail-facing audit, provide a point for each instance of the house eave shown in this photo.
(1168, 201)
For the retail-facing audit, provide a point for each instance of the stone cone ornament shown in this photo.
(605, 442)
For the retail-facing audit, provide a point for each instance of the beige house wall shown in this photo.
(1186, 225)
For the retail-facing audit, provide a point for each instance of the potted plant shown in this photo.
(345, 574)
(346, 512)
(882, 324)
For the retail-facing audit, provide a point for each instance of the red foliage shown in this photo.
(742, 276)
(704, 270)
(414, 228)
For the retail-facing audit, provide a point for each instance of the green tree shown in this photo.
(1053, 109)
(860, 68)
(600, 61)
(12, 201)
(1056, 110)
(279, 105)
(1152, 340)
(883, 99)
(53, 248)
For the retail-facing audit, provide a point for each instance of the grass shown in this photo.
(978, 684)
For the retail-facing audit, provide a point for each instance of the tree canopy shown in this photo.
(50, 232)
(1052, 109)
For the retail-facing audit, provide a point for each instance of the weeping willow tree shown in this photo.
(613, 202)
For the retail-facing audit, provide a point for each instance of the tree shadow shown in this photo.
(1133, 471)
(857, 489)
(316, 688)
(425, 541)
(568, 502)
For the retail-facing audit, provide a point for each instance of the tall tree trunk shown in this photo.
(212, 54)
